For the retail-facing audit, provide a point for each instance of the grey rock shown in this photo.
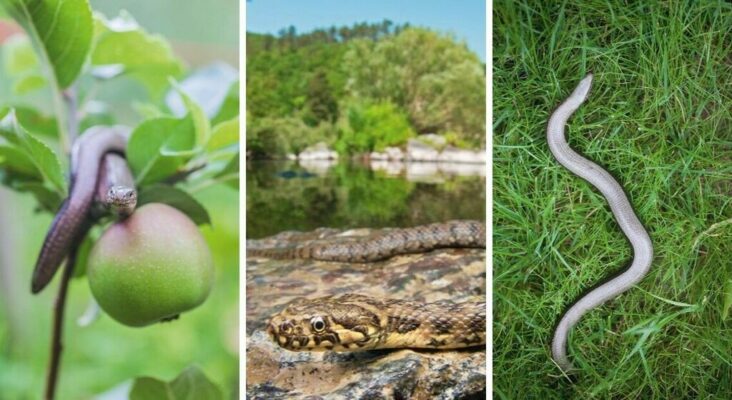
(419, 151)
(455, 155)
(319, 151)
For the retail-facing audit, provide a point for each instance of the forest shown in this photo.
(360, 89)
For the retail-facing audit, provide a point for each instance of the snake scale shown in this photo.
(356, 322)
(621, 209)
(99, 175)
(418, 239)
(349, 322)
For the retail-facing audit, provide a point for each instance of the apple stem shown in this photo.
(58, 319)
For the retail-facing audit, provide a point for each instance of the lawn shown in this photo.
(659, 119)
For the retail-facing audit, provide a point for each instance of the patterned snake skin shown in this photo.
(351, 322)
(385, 244)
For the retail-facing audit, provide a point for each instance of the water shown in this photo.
(288, 196)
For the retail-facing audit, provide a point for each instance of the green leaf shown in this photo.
(159, 147)
(19, 172)
(727, 299)
(35, 122)
(208, 86)
(147, 110)
(177, 198)
(191, 384)
(21, 65)
(230, 174)
(146, 58)
(224, 135)
(49, 200)
(28, 84)
(19, 56)
(82, 255)
(42, 157)
(151, 389)
(17, 162)
(200, 122)
(102, 116)
(61, 31)
(230, 108)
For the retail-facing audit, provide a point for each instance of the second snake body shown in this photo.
(385, 245)
(621, 209)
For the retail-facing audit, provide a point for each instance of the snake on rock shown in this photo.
(621, 209)
(418, 239)
(99, 174)
(349, 322)
(356, 322)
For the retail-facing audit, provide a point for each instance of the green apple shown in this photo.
(150, 267)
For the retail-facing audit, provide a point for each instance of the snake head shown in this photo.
(328, 323)
(122, 199)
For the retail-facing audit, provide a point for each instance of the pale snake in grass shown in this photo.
(621, 209)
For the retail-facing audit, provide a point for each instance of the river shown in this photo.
(285, 195)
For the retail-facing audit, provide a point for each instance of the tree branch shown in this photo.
(72, 105)
(58, 322)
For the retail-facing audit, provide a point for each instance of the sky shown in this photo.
(463, 18)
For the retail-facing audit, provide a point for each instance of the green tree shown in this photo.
(321, 105)
(422, 72)
(373, 128)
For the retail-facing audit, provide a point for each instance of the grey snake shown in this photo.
(621, 209)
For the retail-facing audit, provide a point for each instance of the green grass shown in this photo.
(659, 118)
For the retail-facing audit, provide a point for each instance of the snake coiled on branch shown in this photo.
(99, 175)
(621, 209)
(351, 322)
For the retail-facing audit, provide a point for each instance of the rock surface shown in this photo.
(319, 151)
(275, 373)
(390, 153)
(420, 151)
(454, 155)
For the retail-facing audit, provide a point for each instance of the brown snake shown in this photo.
(349, 322)
(419, 239)
(356, 322)
(98, 172)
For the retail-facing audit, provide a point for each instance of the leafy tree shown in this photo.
(321, 104)
(432, 79)
(422, 72)
(373, 128)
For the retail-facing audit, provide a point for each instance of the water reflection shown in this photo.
(422, 170)
(307, 194)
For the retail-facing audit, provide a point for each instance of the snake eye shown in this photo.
(318, 324)
(286, 327)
